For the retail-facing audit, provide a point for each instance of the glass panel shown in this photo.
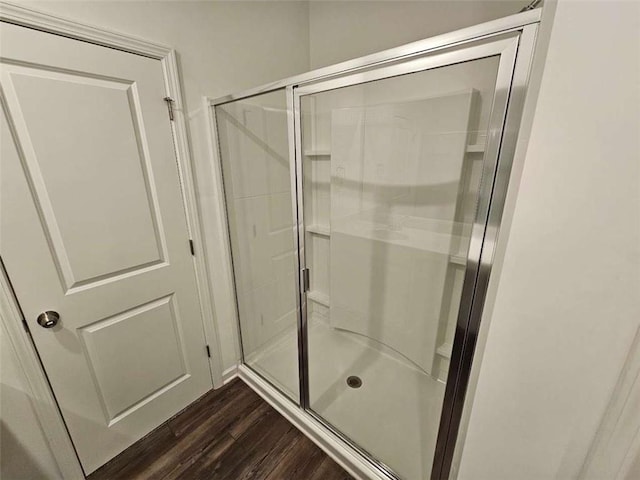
(255, 165)
(391, 172)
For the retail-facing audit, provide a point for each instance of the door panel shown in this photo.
(144, 342)
(113, 161)
(257, 183)
(395, 194)
(94, 227)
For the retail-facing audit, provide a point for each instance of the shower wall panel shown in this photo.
(396, 171)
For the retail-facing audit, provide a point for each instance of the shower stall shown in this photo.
(363, 203)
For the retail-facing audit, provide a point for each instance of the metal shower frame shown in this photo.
(511, 38)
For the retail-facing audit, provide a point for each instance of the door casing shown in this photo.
(45, 405)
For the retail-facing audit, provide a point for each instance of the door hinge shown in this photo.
(192, 248)
(169, 101)
(208, 351)
(305, 280)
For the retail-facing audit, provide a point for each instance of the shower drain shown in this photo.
(354, 382)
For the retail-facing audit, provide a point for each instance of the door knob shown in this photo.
(48, 319)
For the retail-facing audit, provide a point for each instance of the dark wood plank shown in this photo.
(134, 461)
(244, 423)
(193, 443)
(301, 461)
(180, 468)
(229, 433)
(330, 470)
(247, 452)
(220, 416)
(280, 450)
(160, 447)
(196, 413)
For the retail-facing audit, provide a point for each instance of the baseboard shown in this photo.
(345, 456)
(229, 374)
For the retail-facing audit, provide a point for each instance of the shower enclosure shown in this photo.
(363, 202)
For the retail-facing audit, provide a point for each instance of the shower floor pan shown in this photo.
(393, 415)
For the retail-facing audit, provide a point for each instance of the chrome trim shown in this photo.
(223, 191)
(534, 4)
(458, 375)
(473, 33)
(510, 129)
(303, 346)
(411, 66)
(298, 243)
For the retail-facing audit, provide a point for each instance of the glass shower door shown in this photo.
(396, 169)
(254, 152)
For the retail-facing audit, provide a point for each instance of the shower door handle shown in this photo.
(305, 280)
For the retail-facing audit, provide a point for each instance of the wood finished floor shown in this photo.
(230, 433)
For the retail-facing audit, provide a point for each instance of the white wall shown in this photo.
(341, 30)
(223, 47)
(24, 452)
(564, 302)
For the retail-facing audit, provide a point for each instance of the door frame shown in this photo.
(45, 405)
(484, 228)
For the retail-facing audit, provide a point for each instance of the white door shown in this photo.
(93, 227)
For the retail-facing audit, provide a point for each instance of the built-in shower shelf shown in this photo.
(321, 230)
(318, 154)
(444, 350)
(458, 260)
(318, 297)
(475, 148)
